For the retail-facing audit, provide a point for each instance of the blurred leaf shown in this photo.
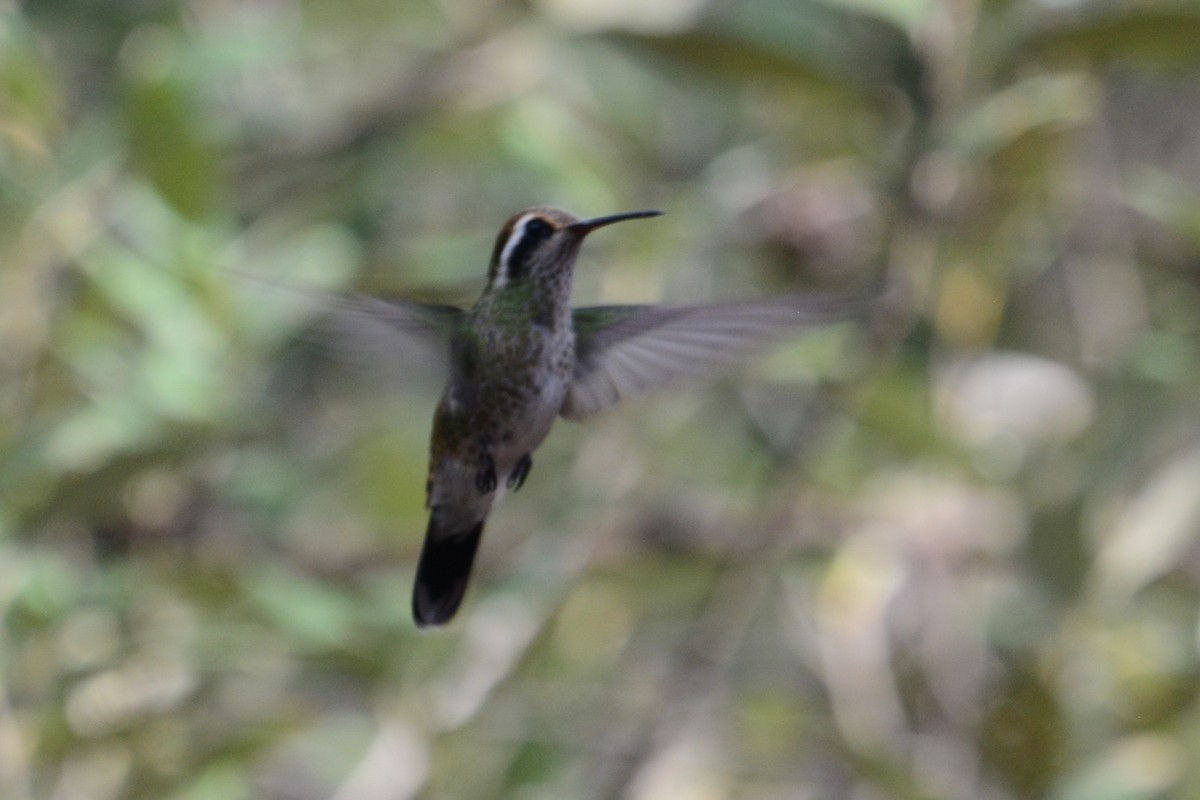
(897, 409)
(95, 434)
(180, 367)
(1167, 199)
(221, 781)
(847, 47)
(30, 98)
(809, 46)
(95, 29)
(1024, 734)
(536, 763)
(721, 57)
(49, 587)
(1155, 526)
(1164, 357)
(1040, 102)
(1136, 768)
(1147, 34)
(315, 615)
(906, 14)
(170, 136)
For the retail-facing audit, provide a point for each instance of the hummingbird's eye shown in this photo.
(538, 229)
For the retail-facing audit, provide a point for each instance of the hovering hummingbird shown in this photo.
(522, 357)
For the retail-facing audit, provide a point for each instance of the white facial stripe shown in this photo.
(514, 238)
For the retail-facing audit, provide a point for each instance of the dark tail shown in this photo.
(442, 573)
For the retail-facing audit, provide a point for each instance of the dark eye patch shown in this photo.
(533, 233)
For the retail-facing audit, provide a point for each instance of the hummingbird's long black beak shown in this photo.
(585, 226)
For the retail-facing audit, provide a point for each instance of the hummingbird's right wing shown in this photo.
(623, 351)
(394, 337)
(400, 343)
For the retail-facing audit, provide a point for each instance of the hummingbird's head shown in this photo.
(543, 242)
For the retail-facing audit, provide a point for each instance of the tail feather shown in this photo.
(442, 572)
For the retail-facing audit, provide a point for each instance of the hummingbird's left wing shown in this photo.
(623, 351)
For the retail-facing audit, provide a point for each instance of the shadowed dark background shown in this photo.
(948, 553)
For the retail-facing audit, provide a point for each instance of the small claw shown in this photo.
(485, 477)
(516, 478)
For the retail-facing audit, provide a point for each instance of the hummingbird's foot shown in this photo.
(485, 476)
(516, 478)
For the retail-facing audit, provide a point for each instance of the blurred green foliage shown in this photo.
(952, 553)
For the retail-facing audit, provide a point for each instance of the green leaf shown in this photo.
(171, 141)
(314, 614)
(1149, 35)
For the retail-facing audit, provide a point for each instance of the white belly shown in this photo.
(527, 430)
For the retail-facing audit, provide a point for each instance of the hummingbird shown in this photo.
(522, 356)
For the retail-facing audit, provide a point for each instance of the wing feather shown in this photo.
(402, 342)
(395, 338)
(624, 351)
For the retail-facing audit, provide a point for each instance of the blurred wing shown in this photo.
(624, 351)
(400, 340)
